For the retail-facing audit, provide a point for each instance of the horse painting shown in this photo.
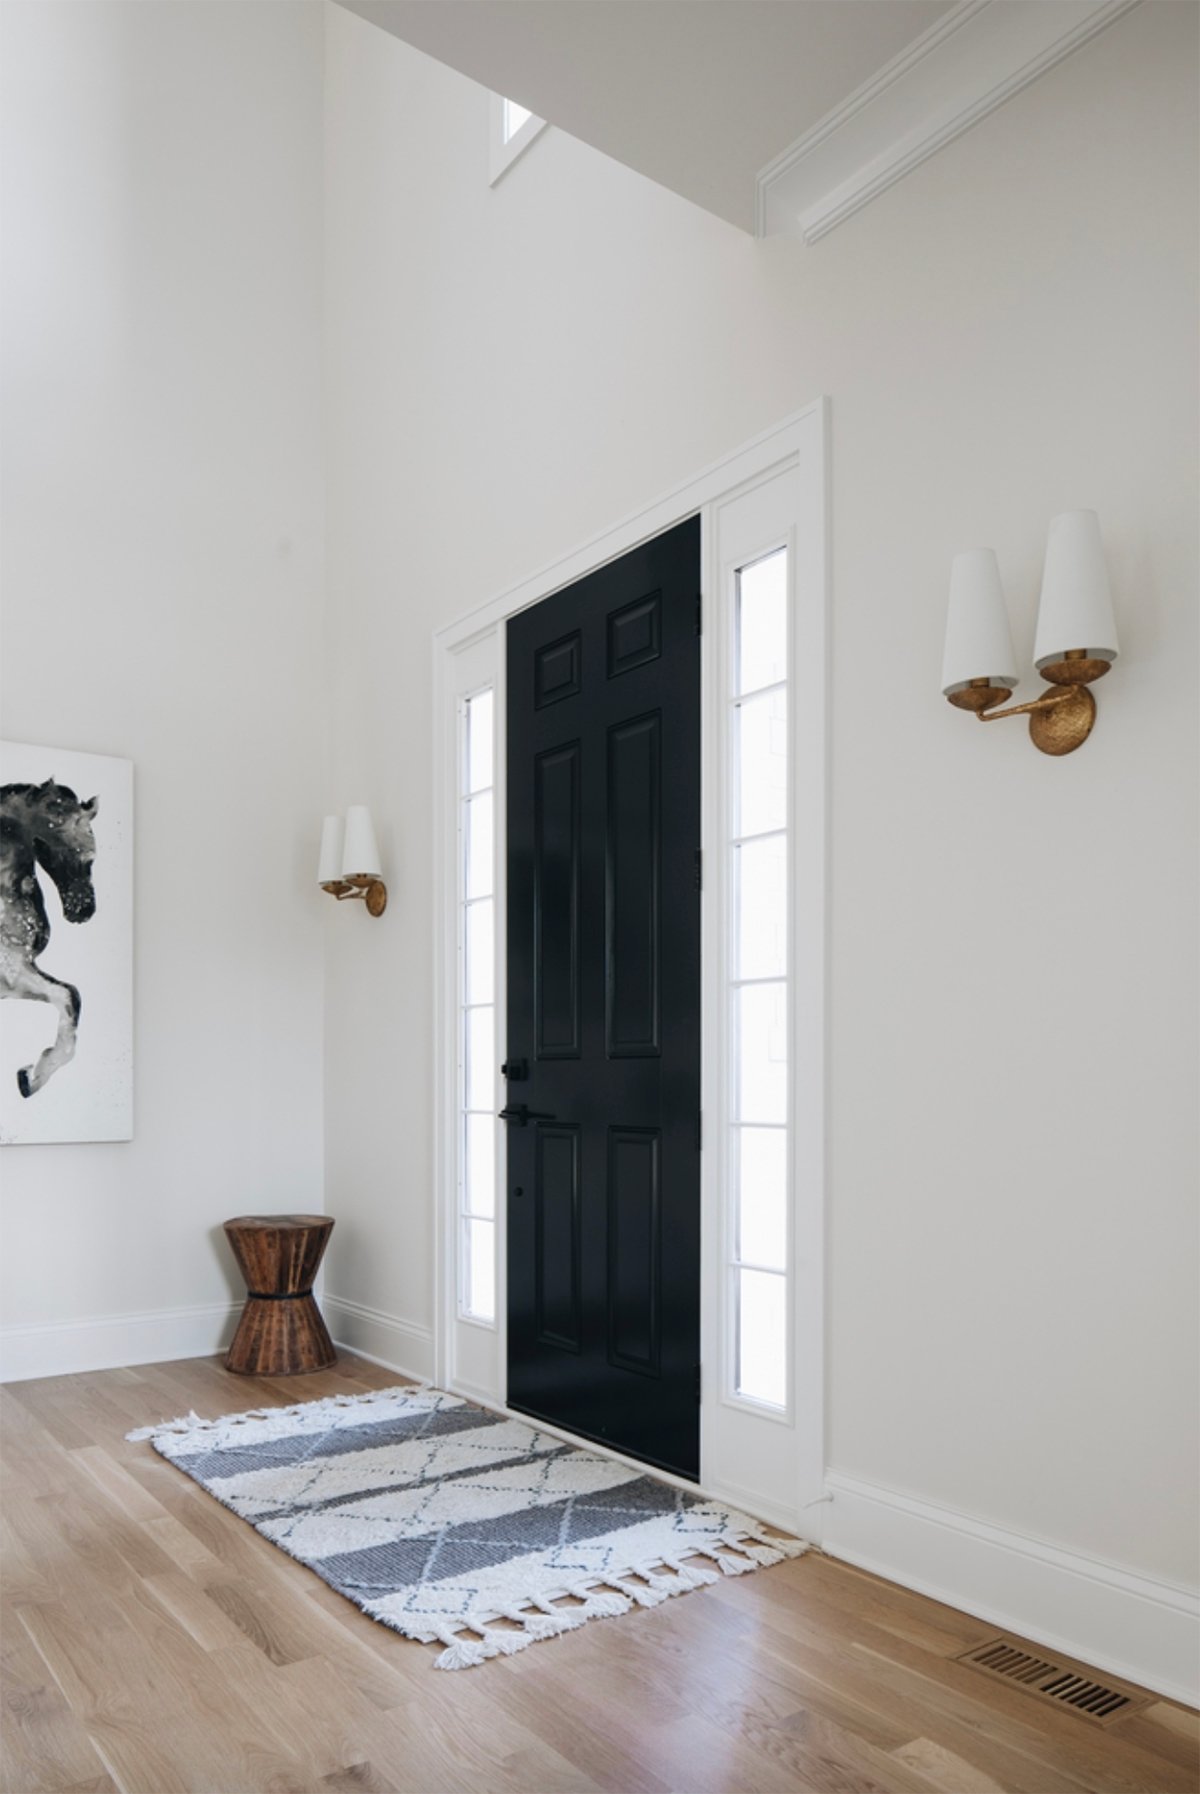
(48, 826)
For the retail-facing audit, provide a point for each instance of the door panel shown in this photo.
(556, 874)
(557, 1193)
(632, 860)
(634, 1248)
(604, 1004)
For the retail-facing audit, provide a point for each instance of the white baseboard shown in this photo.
(109, 1341)
(1142, 1630)
(402, 1346)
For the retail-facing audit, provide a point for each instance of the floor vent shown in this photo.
(1065, 1684)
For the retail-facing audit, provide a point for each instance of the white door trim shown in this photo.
(800, 442)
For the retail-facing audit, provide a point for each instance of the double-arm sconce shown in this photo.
(1076, 636)
(352, 870)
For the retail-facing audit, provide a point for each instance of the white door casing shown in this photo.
(770, 492)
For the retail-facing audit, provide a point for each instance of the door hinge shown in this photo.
(699, 614)
(699, 870)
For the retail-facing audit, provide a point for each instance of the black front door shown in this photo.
(603, 1092)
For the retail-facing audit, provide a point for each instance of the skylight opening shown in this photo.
(514, 117)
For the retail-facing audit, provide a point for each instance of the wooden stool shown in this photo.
(281, 1333)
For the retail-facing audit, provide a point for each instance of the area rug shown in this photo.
(453, 1524)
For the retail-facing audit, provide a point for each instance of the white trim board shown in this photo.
(403, 1346)
(1134, 1627)
(754, 460)
(113, 1341)
(975, 57)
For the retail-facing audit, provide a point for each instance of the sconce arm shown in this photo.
(1060, 694)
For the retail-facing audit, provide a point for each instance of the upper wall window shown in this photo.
(514, 117)
(513, 129)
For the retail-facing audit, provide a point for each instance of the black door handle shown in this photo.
(520, 1114)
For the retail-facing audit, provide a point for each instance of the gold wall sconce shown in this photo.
(352, 869)
(1076, 636)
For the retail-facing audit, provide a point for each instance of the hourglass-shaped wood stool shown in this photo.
(281, 1332)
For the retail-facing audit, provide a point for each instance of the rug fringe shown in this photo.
(265, 1423)
(530, 1628)
(618, 1594)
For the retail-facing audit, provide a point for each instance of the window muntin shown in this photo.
(758, 996)
(476, 1015)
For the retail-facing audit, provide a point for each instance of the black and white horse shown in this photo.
(43, 825)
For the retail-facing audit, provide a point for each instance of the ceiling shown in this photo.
(698, 95)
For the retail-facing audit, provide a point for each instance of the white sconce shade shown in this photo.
(360, 858)
(978, 642)
(1076, 610)
(329, 866)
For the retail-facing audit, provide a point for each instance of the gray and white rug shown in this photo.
(440, 1519)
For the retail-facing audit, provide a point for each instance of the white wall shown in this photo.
(162, 587)
(1007, 333)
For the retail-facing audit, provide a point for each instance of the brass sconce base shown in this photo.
(373, 892)
(1066, 724)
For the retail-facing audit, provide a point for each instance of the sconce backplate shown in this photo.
(1066, 724)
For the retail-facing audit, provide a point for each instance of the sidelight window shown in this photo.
(476, 1015)
(759, 997)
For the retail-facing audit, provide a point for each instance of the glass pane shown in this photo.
(481, 1052)
(761, 1011)
(760, 726)
(480, 944)
(480, 1279)
(514, 118)
(762, 1337)
(762, 622)
(479, 1177)
(760, 885)
(762, 1196)
(479, 846)
(479, 741)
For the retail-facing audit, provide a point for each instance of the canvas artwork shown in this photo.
(66, 946)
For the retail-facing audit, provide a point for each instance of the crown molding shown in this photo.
(974, 58)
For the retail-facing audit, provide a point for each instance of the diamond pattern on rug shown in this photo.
(439, 1518)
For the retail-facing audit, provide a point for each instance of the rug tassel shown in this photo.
(466, 1653)
(764, 1555)
(648, 1594)
(691, 1576)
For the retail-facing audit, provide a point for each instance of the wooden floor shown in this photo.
(152, 1642)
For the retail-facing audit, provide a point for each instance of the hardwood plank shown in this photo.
(945, 1770)
(194, 1609)
(43, 1743)
(359, 1778)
